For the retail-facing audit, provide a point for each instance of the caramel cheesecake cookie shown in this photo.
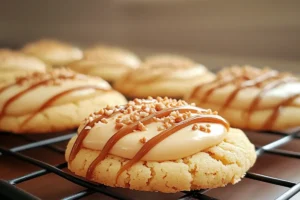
(168, 75)
(159, 145)
(54, 53)
(109, 63)
(14, 64)
(252, 98)
(54, 101)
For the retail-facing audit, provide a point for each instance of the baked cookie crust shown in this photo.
(215, 167)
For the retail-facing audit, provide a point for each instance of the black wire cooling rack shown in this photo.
(9, 188)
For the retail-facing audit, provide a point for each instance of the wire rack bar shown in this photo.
(92, 188)
(267, 179)
(42, 143)
(8, 189)
(280, 152)
(35, 174)
(196, 195)
(290, 193)
(276, 143)
(50, 145)
(99, 188)
(79, 195)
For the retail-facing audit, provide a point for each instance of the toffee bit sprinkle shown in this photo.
(144, 114)
(104, 121)
(108, 112)
(139, 109)
(202, 128)
(178, 119)
(143, 140)
(160, 106)
(195, 127)
(161, 128)
(141, 127)
(119, 126)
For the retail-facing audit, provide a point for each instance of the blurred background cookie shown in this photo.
(163, 75)
(107, 62)
(252, 98)
(15, 63)
(54, 101)
(55, 53)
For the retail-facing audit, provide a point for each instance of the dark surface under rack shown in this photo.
(9, 187)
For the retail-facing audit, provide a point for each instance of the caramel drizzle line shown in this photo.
(10, 85)
(6, 87)
(18, 95)
(251, 83)
(128, 129)
(259, 80)
(276, 111)
(57, 96)
(164, 134)
(268, 87)
(83, 133)
(220, 85)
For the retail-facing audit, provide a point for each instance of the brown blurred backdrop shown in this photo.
(255, 28)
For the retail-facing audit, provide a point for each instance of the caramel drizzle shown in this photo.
(219, 85)
(57, 96)
(84, 131)
(274, 115)
(82, 135)
(6, 87)
(164, 134)
(276, 111)
(250, 83)
(129, 129)
(32, 87)
(253, 83)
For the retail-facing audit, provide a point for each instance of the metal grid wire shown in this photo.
(10, 190)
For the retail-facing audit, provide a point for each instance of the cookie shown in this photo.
(53, 101)
(107, 62)
(163, 75)
(159, 145)
(55, 53)
(14, 64)
(252, 98)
